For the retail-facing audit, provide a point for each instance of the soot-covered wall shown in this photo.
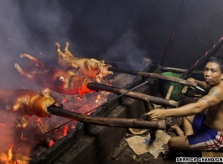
(113, 30)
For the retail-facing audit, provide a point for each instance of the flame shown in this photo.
(64, 100)
(66, 129)
(10, 154)
(12, 158)
(51, 143)
(98, 98)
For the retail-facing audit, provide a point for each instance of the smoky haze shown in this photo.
(109, 30)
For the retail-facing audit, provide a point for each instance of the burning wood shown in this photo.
(91, 68)
(25, 103)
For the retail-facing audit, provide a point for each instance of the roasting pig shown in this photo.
(64, 82)
(91, 68)
(25, 103)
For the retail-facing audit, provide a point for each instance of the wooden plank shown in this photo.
(211, 154)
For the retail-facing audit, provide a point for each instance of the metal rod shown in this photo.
(107, 121)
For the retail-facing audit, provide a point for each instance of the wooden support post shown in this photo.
(152, 132)
(169, 92)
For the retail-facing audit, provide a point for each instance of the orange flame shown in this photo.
(66, 129)
(51, 143)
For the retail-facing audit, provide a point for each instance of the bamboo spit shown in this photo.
(179, 70)
(155, 75)
(136, 95)
(107, 121)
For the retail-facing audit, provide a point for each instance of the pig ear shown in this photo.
(45, 92)
(103, 61)
(98, 78)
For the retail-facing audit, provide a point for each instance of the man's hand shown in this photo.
(156, 114)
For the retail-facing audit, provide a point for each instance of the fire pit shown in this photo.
(53, 140)
(97, 142)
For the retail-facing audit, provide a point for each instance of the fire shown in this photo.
(66, 129)
(98, 98)
(12, 158)
(10, 154)
(51, 143)
(64, 100)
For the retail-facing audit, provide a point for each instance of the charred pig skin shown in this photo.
(26, 103)
(64, 82)
(91, 68)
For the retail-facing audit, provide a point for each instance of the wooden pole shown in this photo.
(157, 76)
(107, 121)
(179, 70)
(136, 95)
(152, 132)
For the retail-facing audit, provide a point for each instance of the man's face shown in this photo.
(212, 74)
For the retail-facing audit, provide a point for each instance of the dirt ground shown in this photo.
(125, 155)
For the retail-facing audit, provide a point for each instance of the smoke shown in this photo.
(97, 29)
(29, 27)
(126, 49)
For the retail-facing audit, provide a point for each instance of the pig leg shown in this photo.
(59, 52)
(66, 53)
(22, 73)
(37, 62)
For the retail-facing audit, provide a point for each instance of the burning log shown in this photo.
(136, 95)
(106, 121)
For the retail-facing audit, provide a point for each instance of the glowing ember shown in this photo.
(51, 143)
(66, 129)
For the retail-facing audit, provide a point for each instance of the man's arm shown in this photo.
(202, 84)
(212, 98)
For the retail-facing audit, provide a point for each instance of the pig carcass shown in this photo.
(26, 103)
(91, 68)
(64, 82)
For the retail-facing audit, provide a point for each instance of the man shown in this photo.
(201, 132)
